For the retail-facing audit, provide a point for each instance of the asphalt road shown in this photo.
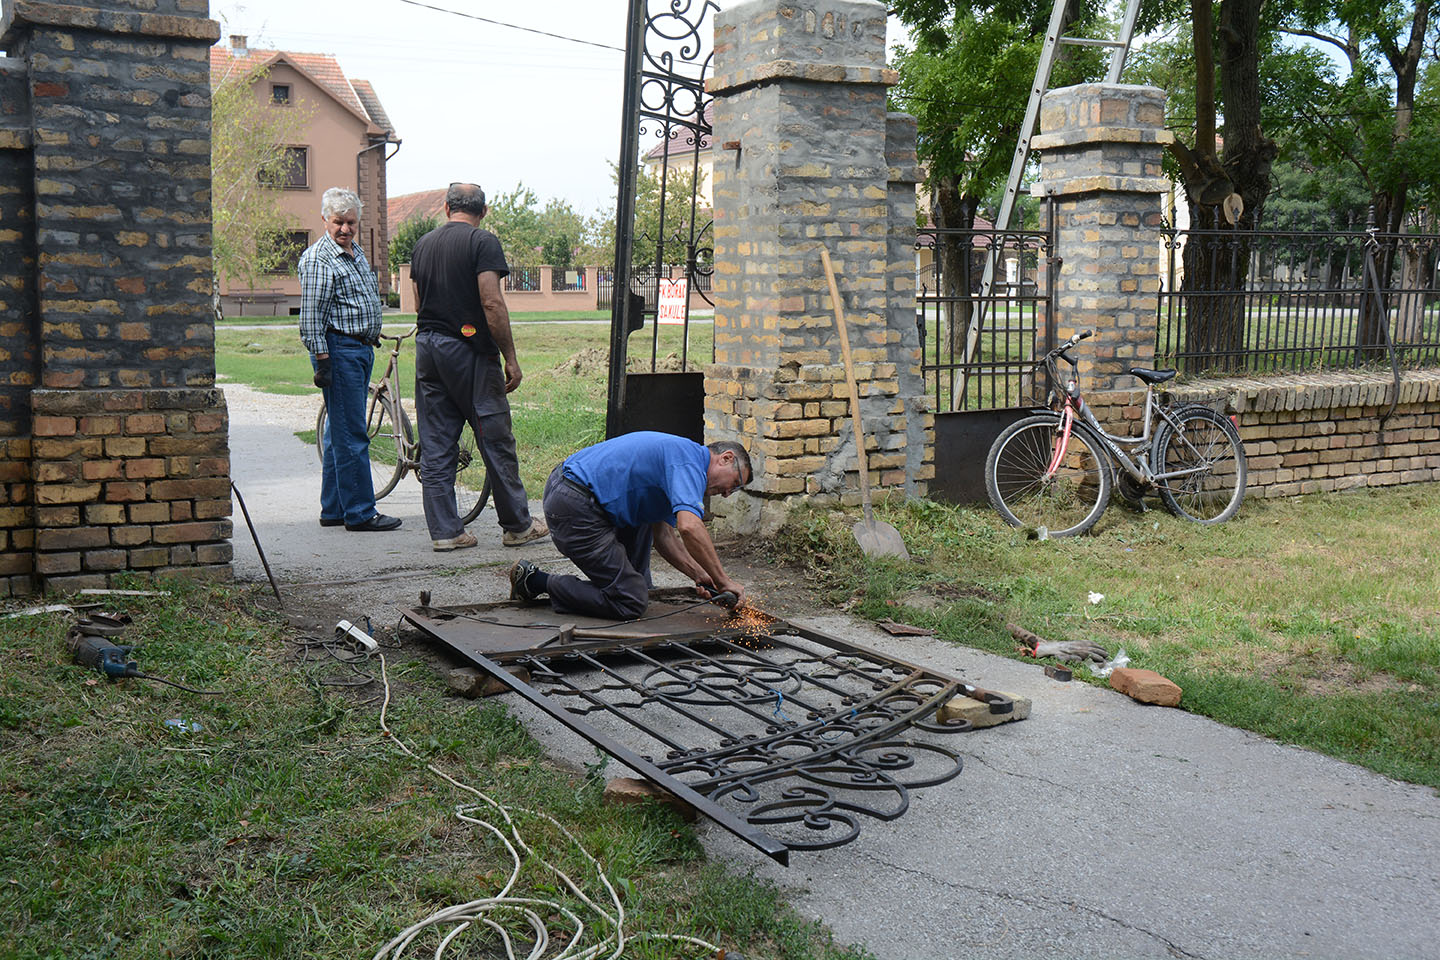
(1098, 827)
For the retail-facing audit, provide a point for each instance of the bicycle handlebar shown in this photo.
(404, 336)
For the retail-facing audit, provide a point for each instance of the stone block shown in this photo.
(630, 790)
(1146, 686)
(471, 682)
(978, 712)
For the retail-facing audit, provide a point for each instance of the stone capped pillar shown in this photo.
(801, 162)
(128, 452)
(1100, 160)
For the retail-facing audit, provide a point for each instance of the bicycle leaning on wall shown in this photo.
(395, 450)
(1052, 472)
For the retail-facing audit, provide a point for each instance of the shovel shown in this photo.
(875, 537)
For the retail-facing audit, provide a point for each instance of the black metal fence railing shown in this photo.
(525, 279)
(979, 346)
(1255, 302)
(567, 281)
(644, 282)
(605, 289)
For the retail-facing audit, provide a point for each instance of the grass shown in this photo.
(559, 408)
(1311, 620)
(288, 825)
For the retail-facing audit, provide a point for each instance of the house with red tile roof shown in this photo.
(346, 142)
(419, 204)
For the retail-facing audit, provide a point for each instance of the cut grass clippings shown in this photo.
(276, 820)
(1311, 620)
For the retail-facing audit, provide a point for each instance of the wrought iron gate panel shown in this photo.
(786, 737)
(666, 118)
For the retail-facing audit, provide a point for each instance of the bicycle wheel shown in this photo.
(1066, 503)
(472, 483)
(386, 463)
(1208, 446)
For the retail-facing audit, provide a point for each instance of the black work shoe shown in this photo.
(376, 524)
(519, 573)
(331, 521)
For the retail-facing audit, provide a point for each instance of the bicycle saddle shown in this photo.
(1152, 376)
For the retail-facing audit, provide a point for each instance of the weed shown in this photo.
(285, 825)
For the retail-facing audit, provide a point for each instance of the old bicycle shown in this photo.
(1054, 471)
(394, 448)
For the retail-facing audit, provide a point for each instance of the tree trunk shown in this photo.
(1217, 268)
(953, 210)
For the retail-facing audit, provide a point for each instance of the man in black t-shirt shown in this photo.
(464, 338)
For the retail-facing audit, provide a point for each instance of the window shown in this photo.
(294, 172)
(289, 246)
(280, 93)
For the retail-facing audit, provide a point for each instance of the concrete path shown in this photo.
(1096, 828)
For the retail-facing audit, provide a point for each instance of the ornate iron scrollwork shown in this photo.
(788, 738)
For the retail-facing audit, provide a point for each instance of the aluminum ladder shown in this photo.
(1119, 48)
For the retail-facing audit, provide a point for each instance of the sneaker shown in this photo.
(520, 572)
(454, 543)
(537, 530)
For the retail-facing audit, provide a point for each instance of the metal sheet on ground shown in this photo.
(786, 737)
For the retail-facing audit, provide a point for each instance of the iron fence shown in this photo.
(644, 283)
(526, 279)
(1254, 302)
(979, 345)
(567, 281)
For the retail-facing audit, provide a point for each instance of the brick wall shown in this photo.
(114, 440)
(18, 329)
(1314, 433)
(130, 480)
(801, 86)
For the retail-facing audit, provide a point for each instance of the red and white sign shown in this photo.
(671, 307)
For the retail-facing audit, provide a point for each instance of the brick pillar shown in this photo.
(911, 406)
(800, 85)
(129, 455)
(1100, 154)
(19, 336)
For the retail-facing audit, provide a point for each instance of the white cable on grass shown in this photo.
(478, 912)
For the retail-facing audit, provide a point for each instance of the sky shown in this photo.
(474, 100)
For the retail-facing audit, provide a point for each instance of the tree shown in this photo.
(1370, 122)
(959, 80)
(532, 235)
(514, 219)
(403, 240)
(251, 232)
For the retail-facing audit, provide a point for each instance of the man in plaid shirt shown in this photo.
(340, 326)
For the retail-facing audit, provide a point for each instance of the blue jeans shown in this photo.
(347, 491)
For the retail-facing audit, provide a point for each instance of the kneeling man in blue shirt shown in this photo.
(607, 505)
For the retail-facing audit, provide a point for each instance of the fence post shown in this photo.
(1100, 160)
(800, 99)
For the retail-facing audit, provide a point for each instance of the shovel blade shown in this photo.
(878, 539)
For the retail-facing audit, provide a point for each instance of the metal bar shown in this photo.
(625, 216)
(758, 839)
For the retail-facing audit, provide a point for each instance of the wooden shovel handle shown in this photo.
(850, 382)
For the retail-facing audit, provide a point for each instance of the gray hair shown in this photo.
(338, 200)
(742, 457)
(466, 198)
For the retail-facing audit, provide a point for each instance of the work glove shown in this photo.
(1071, 650)
(322, 372)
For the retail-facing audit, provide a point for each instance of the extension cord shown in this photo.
(347, 630)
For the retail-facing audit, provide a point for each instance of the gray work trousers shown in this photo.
(454, 386)
(615, 561)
